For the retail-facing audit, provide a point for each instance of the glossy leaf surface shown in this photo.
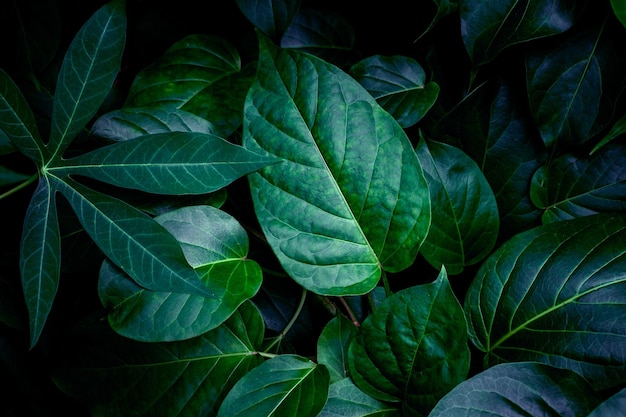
(552, 294)
(346, 400)
(349, 197)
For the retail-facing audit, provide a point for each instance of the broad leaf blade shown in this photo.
(332, 346)
(520, 389)
(168, 163)
(350, 196)
(40, 257)
(272, 17)
(89, 68)
(615, 406)
(286, 385)
(554, 293)
(346, 400)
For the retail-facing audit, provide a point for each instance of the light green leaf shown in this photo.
(270, 16)
(465, 225)
(349, 198)
(520, 390)
(89, 68)
(40, 257)
(168, 163)
(332, 346)
(615, 406)
(286, 385)
(398, 84)
(346, 400)
(412, 348)
(554, 294)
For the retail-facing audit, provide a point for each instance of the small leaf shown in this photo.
(520, 389)
(332, 346)
(270, 16)
(286, 385)
(413, 348)
(399, 85)
(346, 400)
(615, 406)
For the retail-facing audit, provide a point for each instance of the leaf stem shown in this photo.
(291, 322)
(19, 187)
(349, 311)
(388, 291)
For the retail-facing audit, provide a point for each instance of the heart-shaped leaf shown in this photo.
(287, 385)
(553, 294)
(519, 390)
(413, 348)
(346, 400)
(332, 346)
(349, 197)
(465, 225)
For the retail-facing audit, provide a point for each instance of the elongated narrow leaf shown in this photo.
(346, 400)
(168, 163)
(520, 390)
(17, 120)
(490, 26)
(413, 348)
(554, 294)
(115, 376)
(40, 257)
(398, 84)
(89, 68)
(573, 187)
(132, 240)
(286, 385)
(332, 346)
(349, 197)
(272, 17)
(615, 406)
(465, 225)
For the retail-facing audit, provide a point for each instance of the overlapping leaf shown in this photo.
(346, 400)
(553, 294)
(332, 346)
(615, 406)
(349, 197)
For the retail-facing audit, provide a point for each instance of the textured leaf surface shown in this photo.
(465, 225)
(346, 400)
(286, 385)
(520, 390)
(349, 196)
(412, 348)
(553, 294)
(332, 346)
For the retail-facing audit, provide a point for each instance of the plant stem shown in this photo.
(19, 187)
(350, 312)
(388, 291)
(291, 322)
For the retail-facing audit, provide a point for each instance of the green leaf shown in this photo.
(332, 346)
(272, 17)
(444, 8)
(615, 406)
(40, 257)
(619, 8)
(413, 348)
(168, 163)
(115, 376)
(552, 295)
(465, 225)
(349, 197)
(520, 390)
(10, 177)
(286, 385)
(618, 129)
(398, 84)
(346, 400)
(89, 68)
(573, 187)
(488, 27)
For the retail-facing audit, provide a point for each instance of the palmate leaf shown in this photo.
(349, 197)
(554, 294)
(346, 400)
(115, 376)
(89, 68)
(286, 385)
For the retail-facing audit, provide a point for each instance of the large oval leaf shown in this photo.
(413, 348)
(286, 385)
(349, 197)
(556, 294)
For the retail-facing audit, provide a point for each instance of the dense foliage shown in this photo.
(298, 208)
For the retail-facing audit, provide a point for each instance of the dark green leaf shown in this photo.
(444, 8)
(168, 163)
(270, 16)
(9, 176)
(332, 346)
(618, 129)
(619, 8)
(413, 348)
(346, 400)
(574, 187)
(615, 406)
(398, 84)
(554, 294)
(350, 196)
(89, 68)
(465, 225)
(286, 385)
(520, 390)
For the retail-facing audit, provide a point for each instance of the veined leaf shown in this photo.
(398, 84)
(615, 406)
(89, 68)
(465, 225)
(346, 400)
(349, 198)
(520, 389)
(168, 163)
(332, 346)
(554, 294)
(488, 27)
(412, 348)
(574, 186)
(115, 376)
(40, 257)
(272, 17)
(286, 385)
